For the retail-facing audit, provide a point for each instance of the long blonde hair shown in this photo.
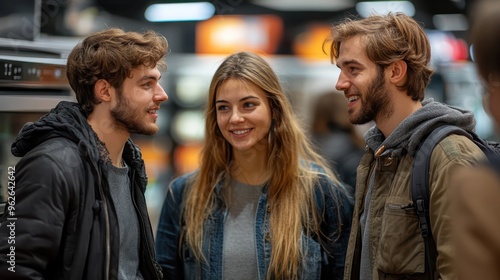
(290, 189)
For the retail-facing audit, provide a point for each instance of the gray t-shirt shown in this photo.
(128, 223)
(240, 258)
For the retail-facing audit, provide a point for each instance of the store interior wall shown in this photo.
(174, 150)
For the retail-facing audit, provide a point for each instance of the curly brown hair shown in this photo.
(111, 55)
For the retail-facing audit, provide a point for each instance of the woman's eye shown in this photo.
(222, 108)
(250, 105)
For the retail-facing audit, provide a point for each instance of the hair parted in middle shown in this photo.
(389, 38)
(290, 189)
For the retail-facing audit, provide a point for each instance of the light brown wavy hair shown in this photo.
(290, 189)
(111, 55)
(389, 38)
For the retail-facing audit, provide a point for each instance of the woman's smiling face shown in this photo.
(243, 115)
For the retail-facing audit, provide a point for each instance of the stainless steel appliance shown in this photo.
(32, 81)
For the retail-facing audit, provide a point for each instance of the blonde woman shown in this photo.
(262, 204)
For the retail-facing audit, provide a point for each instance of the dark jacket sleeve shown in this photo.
(168, 234)
(33, 230)
(337, 205)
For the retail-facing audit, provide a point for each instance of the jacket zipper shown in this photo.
(370, 181)
(143, 229)
(107, 260)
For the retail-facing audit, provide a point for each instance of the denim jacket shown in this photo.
(324, 258)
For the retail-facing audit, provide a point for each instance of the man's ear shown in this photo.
(102, 90)
(398, 73)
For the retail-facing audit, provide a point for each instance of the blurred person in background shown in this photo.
(335, 137)
(384, 71)
(478, 188)
(262, 205)
(79, 187)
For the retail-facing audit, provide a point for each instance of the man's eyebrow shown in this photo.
(149, 77)
(349, 62)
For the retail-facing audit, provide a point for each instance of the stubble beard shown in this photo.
(375, 102)
(128, 118)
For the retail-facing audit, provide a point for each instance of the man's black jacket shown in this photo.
(66, 226)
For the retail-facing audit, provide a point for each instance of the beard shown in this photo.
(374, 103)
(129, 118)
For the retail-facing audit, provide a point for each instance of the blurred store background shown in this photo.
(37, 35)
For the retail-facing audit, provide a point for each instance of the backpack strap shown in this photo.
(420, 189)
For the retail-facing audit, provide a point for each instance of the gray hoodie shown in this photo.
(409, 133)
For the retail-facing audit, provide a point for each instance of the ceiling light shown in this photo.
(179, 12)
(366, 9)
(309, 5)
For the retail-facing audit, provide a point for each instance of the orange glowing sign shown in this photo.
(229, 34)
(309, 44)
(186, 158)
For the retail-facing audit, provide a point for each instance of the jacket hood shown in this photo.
(65, 120)
(411, 132)
(68, 120)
